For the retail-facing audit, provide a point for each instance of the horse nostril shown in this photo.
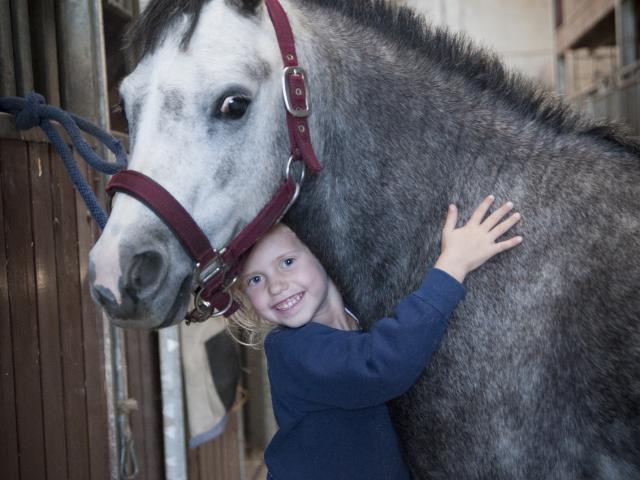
(104, 297)
(107, 300)
(146, 273)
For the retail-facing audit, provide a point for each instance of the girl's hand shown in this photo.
(465, 249)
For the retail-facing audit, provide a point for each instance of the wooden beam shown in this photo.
(45, 50)
(626, 32)
(8, 131)
(7, 72)
(22, 46)
(580, 20)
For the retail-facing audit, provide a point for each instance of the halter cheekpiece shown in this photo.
(216, 271)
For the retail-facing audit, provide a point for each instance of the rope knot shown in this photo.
(29, 116)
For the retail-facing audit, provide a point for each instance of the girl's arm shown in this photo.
(323, 367)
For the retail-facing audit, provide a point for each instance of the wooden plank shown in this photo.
(218, 465)
(7, 70)
(576, 23)
(205, 458)
(93, 348)
(8, 131)
(232, 453)
(8, 425)
(193, 467)
(221, 464)
(636, 108)
(97, 183)
(219, 458)
(151, 406)
(47, 303)
(22, 299)
(134, 376)
(225, 452)
(44, 50)
(66, 249)
(21, 46)
(230, 457)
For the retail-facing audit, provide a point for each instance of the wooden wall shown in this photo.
(53, 396)
(220, 458)
(57, 418)
(618, 101)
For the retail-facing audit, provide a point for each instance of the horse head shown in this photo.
(206, 122)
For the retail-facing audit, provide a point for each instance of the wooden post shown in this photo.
(45, 50)
(7, 72)
(21, 46)
(82, 74)
(626, 32)
(561, 81)
(259, 415)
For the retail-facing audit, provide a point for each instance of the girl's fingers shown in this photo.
(481, 211)
(503, 227)
(493, 219)
(452, 219)
(508, 244)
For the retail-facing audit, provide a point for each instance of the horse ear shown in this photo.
(246, 6)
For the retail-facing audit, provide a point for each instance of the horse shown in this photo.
(538, 375)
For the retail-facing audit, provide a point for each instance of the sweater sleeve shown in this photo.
(323, 367)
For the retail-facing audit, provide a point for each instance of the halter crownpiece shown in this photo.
(216, 271)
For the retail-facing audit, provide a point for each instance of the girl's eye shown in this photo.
(287, 262)
(256, 279)
(232, 107)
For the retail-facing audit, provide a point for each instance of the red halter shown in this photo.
(216, 271)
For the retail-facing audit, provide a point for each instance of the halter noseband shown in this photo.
(216, 271)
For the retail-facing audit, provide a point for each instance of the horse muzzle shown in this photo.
(134, 285)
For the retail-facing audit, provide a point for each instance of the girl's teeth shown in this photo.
(290, 302)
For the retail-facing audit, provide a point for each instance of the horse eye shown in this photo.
(233, 107)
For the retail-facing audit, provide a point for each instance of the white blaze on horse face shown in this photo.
(109, 273)
(220, 170)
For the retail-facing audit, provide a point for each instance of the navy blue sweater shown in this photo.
(329, 388)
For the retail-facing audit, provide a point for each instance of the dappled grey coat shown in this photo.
(539, 373)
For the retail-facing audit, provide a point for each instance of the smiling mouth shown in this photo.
(289, 303)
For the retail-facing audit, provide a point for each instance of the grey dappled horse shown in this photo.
(539, 374)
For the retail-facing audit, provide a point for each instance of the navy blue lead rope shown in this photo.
(32, 112)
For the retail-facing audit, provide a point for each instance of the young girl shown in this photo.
(330, 380)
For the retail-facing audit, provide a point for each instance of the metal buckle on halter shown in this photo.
(296, 112)
(203, 310)
(211, 269)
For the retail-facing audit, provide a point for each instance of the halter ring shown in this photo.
(205, 309)
(288, 173)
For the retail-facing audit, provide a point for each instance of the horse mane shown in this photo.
(406, 29)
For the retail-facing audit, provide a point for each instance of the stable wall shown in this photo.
(520, 31)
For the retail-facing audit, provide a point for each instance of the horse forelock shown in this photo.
(156, 20)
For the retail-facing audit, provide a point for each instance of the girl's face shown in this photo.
(285, 283)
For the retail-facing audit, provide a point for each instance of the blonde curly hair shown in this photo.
(246, 326)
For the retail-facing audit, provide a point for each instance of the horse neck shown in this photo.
(381, 126)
